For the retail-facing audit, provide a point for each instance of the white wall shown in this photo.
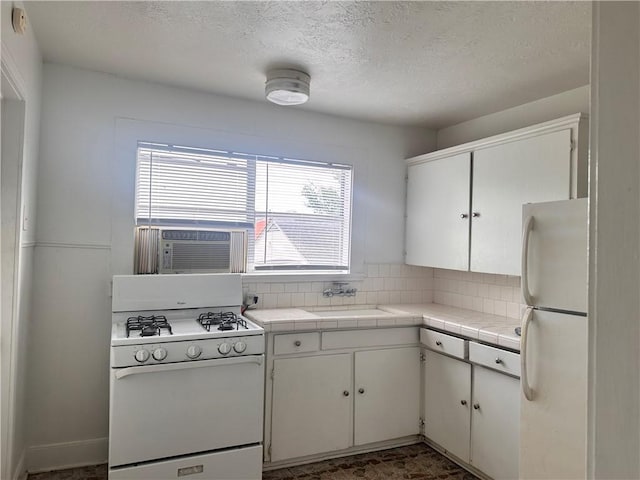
(545, 109)
(22, 62)
(22, 55)
(85, 215)
(614, 237)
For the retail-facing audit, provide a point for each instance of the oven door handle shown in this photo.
(168, 367)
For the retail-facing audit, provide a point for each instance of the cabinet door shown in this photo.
(447, 399)
(310, 411)
(437, 235)
(387, 394)
(495, 424)
(504, 178)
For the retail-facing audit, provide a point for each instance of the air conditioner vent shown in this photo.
(201, 256)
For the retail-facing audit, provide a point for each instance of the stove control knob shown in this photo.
(159, 354)
(141, 355)
(224, 348)
(194, 351)
(240, 347)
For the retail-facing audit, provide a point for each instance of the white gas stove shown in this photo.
(162, 336)
(181, 339)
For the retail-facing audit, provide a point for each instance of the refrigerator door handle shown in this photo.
(524, 380)
(528, 226)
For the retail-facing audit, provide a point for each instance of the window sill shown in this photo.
(294, 277)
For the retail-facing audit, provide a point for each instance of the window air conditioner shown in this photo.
(172, 250)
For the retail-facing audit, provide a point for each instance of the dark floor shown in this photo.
(412, 462)
(97, 472)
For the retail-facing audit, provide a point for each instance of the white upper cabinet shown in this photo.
(437, 232)
(464, 203)
(505, 177)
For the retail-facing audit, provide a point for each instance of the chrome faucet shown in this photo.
(339, 289)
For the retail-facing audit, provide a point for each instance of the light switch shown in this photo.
(25, 218)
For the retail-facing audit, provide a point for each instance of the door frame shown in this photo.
(11, 90)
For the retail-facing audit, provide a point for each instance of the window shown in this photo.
(297, 213)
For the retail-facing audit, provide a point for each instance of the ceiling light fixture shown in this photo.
(287, 87)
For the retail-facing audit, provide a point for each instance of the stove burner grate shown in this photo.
(148, 326)
(224, 321)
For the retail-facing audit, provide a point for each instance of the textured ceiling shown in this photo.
(421, 63)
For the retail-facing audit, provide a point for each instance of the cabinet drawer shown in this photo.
(369, 338)
(495, 358)
(443, 343)
(296, 343)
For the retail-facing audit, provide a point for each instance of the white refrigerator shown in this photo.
(553, 408)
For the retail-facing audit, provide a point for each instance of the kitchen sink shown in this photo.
(369, 312)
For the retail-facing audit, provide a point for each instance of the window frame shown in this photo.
(252, 213)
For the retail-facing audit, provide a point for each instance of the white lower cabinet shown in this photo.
(311, 408)
(447, 402)
(387, 394)
(328, 402)
(323, 402)
(473, 412)
(495, 423)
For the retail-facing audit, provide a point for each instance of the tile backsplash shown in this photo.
(390, 283)
(482, 292)
(384, 283)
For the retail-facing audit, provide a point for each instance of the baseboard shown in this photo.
(456, 460)
(58, 456)
(20, 472)
(371, 447)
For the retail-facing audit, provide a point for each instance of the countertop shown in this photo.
(296, 319)
(492, 329)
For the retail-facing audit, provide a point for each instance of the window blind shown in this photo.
(297, 213)
(192, 187)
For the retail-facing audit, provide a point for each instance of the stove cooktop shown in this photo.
(147, 326)
(177, 325)
(222, 321)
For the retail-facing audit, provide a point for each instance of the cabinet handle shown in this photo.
(475, 214)
(464, 215)
(361, 390)
(463, 402)
(439, 343)
(297, 343)
(345, 393)
(498, 361)
(476, 406)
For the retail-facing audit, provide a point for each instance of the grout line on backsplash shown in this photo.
(385, 283)
(482, 292)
